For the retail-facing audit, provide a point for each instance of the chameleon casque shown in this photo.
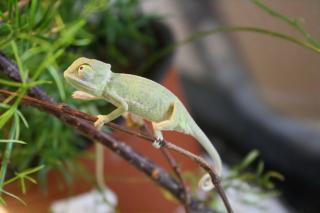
(140, 96)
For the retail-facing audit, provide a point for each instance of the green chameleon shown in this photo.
(141, 97)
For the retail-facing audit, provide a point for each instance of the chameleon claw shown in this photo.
(158, 143)
(100, 121)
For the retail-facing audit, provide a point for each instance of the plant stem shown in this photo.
(6, 156)
(176, 168)
(199, 35)
(294, 23)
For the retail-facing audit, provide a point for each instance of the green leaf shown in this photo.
(33, 12)
(292, 22)
(274, 174)
(4, 118)
(32, 180)
(4, 106)
(19, 85)
(14, 196)
(5, 29)
(24, 174)
(23, 186)
(33, 52)
(57, 79)
(249, 159)
(35, 83)
(17, 126)
(69, 32)
(32, 170)
(7, 153)
(24, 121)
(18, 60)
(260, 168)
(12, 141)
(47, 18)
(49, 59)
(2, 201)
(94, 6)
(10, 83)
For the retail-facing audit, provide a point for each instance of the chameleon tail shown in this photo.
(205, 183)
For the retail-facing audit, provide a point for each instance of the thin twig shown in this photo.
(204, 164)
(175, 167)
(177, 171)
(61, 110)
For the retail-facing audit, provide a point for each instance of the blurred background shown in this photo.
(254, 92)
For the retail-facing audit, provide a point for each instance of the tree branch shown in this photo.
(155, 172)
(77, 120)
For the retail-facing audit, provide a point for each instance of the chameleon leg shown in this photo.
(122, 107)
(164, 125)
(133, 120)
(102, 119)
(158, 135)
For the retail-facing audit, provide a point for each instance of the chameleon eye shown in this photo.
(85, 71)
(84, 67)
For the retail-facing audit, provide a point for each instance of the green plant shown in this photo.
(36, 36)
(44, 36)
(123, 36)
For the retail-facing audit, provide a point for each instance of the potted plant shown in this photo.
(55, 35)
(43, 37)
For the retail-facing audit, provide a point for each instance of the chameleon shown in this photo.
(140, 96)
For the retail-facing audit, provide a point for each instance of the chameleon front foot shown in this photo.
(158, 143)
(102, 119)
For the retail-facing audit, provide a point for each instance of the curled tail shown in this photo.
(205, 182)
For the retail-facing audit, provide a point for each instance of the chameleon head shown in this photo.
(88, 75)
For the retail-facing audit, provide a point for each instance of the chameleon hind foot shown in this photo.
(158, 143)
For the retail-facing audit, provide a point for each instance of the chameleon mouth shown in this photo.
(80, 84)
